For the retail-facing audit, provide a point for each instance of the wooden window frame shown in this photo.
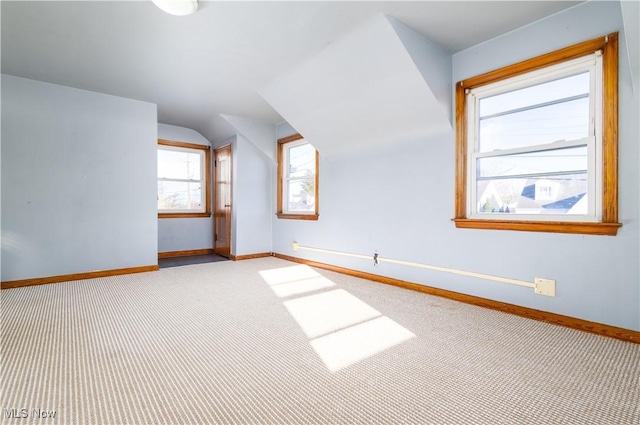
(207, 180)
(609, 225)
(280, 184)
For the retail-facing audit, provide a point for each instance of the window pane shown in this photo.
(178, 164)
(562, 121)
(568, 160)
(543, 195)
(179, 196)
(549, 91)
(301, 196)
(525, 117)
(302, 161)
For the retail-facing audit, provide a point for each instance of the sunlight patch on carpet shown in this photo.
(342, 329)
(288, 281)
(327, 312)
(351, 345)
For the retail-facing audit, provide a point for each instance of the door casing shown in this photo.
(222, 203)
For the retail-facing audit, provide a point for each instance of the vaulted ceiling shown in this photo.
(223, 59)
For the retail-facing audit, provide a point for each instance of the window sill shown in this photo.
(313, 217)
(607, 229)
(184, 215)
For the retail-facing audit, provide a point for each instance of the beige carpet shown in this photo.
(268, 341)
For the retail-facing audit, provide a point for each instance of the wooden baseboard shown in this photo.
(76, 276)
(250, 256)
(556, 319)
(171, 254)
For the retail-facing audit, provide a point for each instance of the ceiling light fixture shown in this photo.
(177, 7)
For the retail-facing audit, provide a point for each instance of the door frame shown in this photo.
(216, 152)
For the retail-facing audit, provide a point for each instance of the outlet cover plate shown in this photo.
(545, 287)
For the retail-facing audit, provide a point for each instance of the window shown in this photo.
(536, 143)
(297, 179)
(183, 180)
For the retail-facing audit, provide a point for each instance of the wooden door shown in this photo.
(222, 202)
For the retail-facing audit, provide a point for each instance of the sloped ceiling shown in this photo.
(261, 134)
(199, 66)
(366, 89)
(630, 15)
(433, 62)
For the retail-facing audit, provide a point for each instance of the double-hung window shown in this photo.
(536, 143)
(183, 180)
(297, 179)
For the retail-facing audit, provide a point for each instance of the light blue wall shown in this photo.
(183, 234)
(284, 129)
(399, 201)
(252, 198)
(598, 277)
(78, 181)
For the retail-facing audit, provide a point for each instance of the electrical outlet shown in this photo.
(294, 246)
(545, 287)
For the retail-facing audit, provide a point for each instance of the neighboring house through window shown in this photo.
(183, 180)
(537, 143)
(297, 179)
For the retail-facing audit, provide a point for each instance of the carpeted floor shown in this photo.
(268, 341)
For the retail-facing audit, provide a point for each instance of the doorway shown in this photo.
(222, 202)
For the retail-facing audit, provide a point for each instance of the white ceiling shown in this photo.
(217, 60)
